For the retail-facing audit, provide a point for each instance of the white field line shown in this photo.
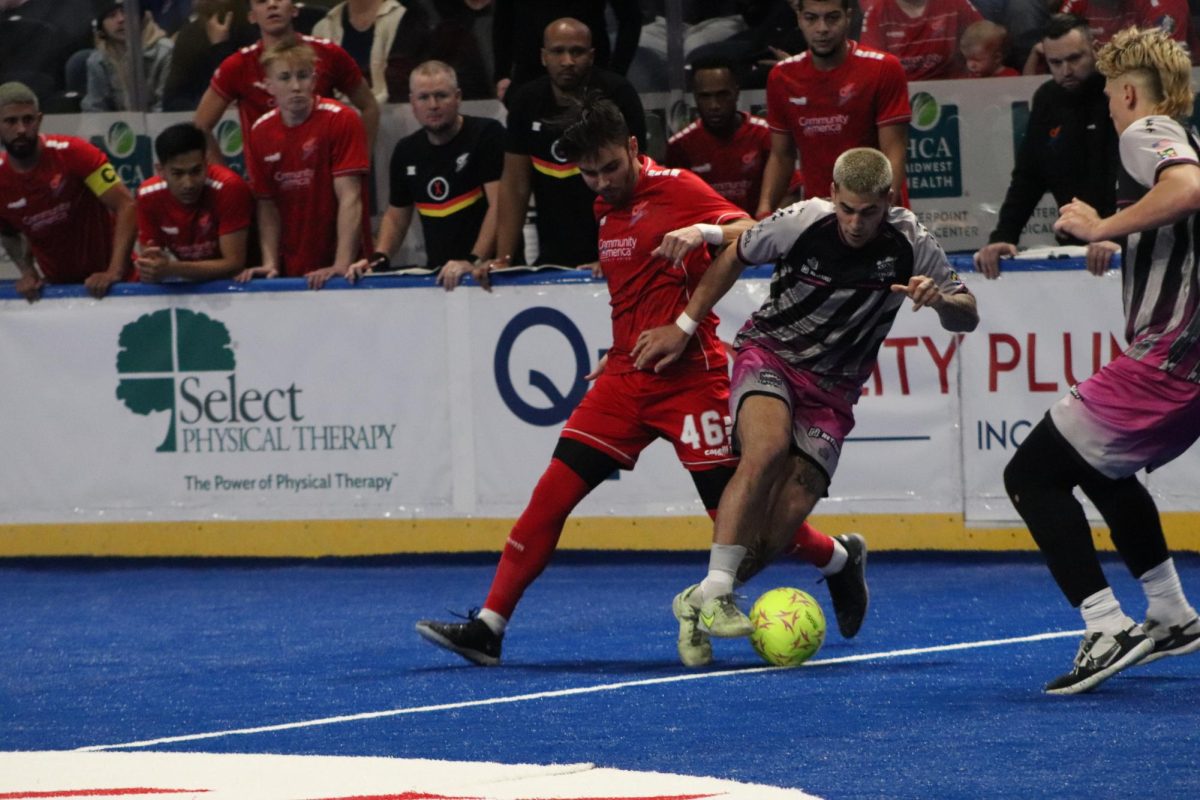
(606, 687)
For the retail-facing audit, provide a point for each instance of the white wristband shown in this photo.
(711, 234)
(686, 323)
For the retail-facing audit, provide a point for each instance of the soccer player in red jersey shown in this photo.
(193, 217)
(923, 34)
(240, 78)
(726, 147)
(59, 195)
(836, 95)
(310, 158)
(654, 228)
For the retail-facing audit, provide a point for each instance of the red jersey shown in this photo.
(1106, 18)
(646, 291)
(733, 165)
(927, 46)
(829, 111)
(296, 167)
(240, 79)
(56, 205)
(193, 233)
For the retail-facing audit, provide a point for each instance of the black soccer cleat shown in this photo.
(1100, 656)
(473, 639)
(848, 588)
(1172, 640)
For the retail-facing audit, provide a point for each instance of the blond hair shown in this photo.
(433, 68)
(863, 170)
(1158, 62)
(985, 33)
(290, 50)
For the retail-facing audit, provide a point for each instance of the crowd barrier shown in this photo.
(391, 416)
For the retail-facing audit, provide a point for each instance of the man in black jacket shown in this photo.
(1070, 147)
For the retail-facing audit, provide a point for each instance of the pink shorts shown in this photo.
(1129, 416)
(624, 412)
(822, 417)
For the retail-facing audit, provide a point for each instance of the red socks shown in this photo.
(532, 541)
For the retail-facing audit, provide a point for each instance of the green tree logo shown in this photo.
(156, 348)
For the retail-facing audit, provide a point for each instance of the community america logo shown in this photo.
(162, 348)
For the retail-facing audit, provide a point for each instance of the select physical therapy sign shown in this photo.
(411, 403)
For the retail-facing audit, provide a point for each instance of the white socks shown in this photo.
(723, 563)
(1101, 612)
(493, 620)
(1167, 603)
(837, 561)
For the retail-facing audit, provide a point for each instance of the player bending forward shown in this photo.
(655, 225)
(842, 270)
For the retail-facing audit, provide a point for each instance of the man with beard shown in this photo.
(534, 162)
(449, 173)
(836, 95)
(726, 147)
(1069, 149)
(59, 195)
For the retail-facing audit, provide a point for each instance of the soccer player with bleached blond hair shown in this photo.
(1142, 410)
(843, 268)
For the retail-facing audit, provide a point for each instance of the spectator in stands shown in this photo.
(369, 30)
(241, 78)
(193, 217)
(59, 195)
(449, 172)
(705, 22)
(726, 147)
(108, 77)
(534, 162)
(984, 47)
(310, 158)
(771, 35)
(1106, 17)
(517, 23)
(36, 39)
(459, 33)
(853, 96)
(923, 34)
(217, 30)
(169, 14)
(1070, 147)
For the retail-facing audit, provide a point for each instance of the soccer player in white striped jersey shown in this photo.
(843, 269)
(1143, 409)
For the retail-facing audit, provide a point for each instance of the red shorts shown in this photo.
(623, 413)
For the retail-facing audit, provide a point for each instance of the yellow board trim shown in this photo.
(318, 538)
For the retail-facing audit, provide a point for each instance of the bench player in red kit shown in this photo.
(655, 225)
(309, 164)
(241, 79)
(193, 217)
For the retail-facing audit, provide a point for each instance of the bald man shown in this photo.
(533, 161)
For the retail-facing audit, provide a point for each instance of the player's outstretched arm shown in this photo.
(956, 310)
(658, 348)
(676, 244)
(1174, 196)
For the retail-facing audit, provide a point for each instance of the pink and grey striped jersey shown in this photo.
(830, 304)
(1161, 287)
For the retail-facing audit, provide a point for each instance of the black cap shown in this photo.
(105, 7)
